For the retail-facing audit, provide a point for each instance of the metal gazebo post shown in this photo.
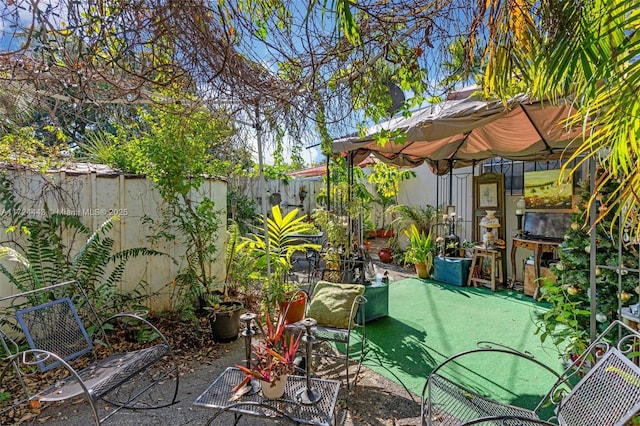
(262, 186)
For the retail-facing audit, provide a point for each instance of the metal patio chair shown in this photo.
(56, 349)
(338, 300)
(599, 387)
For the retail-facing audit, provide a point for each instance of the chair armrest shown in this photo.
(357, 301)
(489, 350)
(135, 317)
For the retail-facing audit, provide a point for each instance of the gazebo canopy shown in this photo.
(460, 132)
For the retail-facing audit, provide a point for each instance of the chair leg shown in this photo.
(360, 356)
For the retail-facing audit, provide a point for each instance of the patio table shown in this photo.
(218, 397)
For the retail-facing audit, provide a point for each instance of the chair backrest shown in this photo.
(55, 327)
(58, 319)
(609, 394)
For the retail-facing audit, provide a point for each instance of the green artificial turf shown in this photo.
(429, 321)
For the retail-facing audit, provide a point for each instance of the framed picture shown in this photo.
(488, 195)
(543, 190)
(451, 211)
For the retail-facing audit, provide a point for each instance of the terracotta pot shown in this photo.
(421, 270)
(367, 245)
(274, 390)
(380, 233)
(294, 309)
(372, 234)
(385, 255)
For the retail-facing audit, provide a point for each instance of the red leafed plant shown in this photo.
(274, 354)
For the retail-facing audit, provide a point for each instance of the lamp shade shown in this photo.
(490, 220)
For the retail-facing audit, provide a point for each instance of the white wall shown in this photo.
(427, 188)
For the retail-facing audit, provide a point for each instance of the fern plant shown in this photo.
(423, 217)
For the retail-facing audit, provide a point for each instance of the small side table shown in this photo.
(217, 396)
(494, 259)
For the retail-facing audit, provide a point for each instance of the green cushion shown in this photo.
(331, 303)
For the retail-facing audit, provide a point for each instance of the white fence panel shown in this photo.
(95, 193)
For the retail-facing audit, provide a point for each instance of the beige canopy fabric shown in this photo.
(460, 132)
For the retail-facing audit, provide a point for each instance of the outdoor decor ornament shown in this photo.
(489, 222)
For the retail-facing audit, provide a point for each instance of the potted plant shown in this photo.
(369, 227)
(420, 251)
(424, 217)
(273, 357)
(222, 299)
(283, 241)
(224, 317)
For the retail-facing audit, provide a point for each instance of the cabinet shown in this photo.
(530, 278)
(377, 305)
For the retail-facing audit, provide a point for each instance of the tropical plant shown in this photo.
(240, 263)
(420, 248)
(386, 182)
(275, 354)
(368, 225)
(423, 217)
(273, 254)
(173, 145)
(338, 244)
(241, 209)
(335, 228)
(585, 52)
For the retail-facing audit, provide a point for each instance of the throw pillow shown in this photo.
(331, 303)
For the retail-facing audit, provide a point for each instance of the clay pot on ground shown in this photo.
(384, 233)
(385, 255)
(421, 270)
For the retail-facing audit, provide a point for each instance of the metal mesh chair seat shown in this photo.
(465, 405)
(104, 376)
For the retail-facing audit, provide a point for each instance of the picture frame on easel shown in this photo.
(488, 195)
